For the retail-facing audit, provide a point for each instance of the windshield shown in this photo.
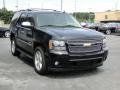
(56, 19)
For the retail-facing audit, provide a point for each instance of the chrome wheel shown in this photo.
(38, 60)
(13, 47)
(7, 34)
(108, 32)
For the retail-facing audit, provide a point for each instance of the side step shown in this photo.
(26, 54)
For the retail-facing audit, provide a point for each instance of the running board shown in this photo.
(26, 54)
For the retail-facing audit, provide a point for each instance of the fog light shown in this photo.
(56, 63)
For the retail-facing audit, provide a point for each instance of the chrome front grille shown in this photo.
(81, 47)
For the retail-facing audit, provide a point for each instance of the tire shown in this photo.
(108, 32)
(40, 62)
(14, 48)
(7, 34)
(115, 31)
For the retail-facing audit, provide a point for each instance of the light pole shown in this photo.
(4, 4)
(17, 5)
(75, 8)
(75, 5)
(61, 5)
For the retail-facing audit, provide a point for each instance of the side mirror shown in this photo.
(27, 24)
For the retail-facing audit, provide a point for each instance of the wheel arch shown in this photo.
(43, 46)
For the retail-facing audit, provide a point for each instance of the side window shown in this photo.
(30, 18)
(22, 18)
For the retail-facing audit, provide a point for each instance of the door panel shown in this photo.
(21, 38)
(28, 39)
(25, 39)
(20, 31)
(25, 35)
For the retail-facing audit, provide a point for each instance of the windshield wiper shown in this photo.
(71, 26)
(48, 26)
(60, 26)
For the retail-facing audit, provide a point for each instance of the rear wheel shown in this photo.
(7, 34)
(14, 48)
(108, 32)
(40, 62)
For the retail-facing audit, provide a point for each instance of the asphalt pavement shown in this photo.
(17, 73)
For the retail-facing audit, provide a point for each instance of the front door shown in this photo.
(25, 35)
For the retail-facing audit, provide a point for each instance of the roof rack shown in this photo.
(39, 9)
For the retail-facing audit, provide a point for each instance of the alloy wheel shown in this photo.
(38, 60)
(7, 34)
(13, 46)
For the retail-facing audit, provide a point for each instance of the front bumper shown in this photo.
(68, 61)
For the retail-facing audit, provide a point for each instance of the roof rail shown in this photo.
(41, 9)
(38, 9)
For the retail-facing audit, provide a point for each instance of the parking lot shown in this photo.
(17, 73)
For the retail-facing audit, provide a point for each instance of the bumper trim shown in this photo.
(75, 68)
(86, 59)
(88, 54)
(59, 52)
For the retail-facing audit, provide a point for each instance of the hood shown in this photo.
(73, 33)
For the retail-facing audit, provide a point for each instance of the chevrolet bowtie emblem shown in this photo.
(87, 44)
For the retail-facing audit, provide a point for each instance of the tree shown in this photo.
(6, 15)
(84, 17)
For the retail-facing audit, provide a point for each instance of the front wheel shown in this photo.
(14, 48)
(40, 62)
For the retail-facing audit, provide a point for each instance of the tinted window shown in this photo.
(30, 18)
(55, 19)
(22, 18)
(112, 24)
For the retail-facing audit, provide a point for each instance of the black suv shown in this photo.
(56, 41)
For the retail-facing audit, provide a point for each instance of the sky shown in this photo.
(68, 5)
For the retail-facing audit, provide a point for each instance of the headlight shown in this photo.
(104, 43)
(104, 40)
(57, 45)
